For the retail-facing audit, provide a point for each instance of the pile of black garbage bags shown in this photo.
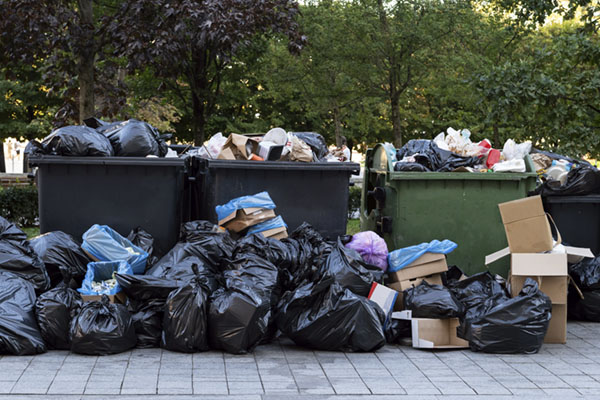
(490, 320)
(209, 292)
(131, 138)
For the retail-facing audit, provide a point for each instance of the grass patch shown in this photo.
(31, 231)
(353, 226)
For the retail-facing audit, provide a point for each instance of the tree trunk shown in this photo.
(198, 120)
(338, 125)
(396, 120)
(86, 62)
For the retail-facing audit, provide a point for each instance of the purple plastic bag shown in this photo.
(371, 247)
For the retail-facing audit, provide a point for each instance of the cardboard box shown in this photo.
(245, 218)
(526, 225)
(118, 298)
(384, 297)
(276, 233)
(427, 264)
(433, 333)
(557, 330)
(238, 147)
(400, 287)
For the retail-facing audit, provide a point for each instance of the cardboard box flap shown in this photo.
(490, 258)
(517, 210)
(579, 252)
(569, 251)
(426, 258)
(404, 314)
(524, 264)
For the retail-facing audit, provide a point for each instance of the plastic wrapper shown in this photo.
(105, 244)
(19, 334)
(474, 290)
(432, 301)
(516, 325)
(212, 147)
(347, 268)
(17, 256)
(144, 241)
(513, 165)
(326, 316)
(514, 151)
(259, 200)
(102, 328)
(100, 272)
(580, 181)
(74, 141)
(272, 223)
(400, 258)
(586, 273)
(316, 142)
(240, 313)
(371, 247)
(586, 308)
(58, 249)
(133, 138)
(55, 309)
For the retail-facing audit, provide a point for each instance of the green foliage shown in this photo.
(19, 204)
(352, 227)
(354, 199)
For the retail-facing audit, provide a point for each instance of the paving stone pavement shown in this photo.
(282, 370)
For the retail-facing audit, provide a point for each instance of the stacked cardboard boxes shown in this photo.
(534, 254)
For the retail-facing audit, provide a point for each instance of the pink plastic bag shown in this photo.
(371, 247)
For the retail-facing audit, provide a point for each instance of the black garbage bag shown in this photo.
(74, 141)
(17, 256)
(581, 180)
(178, 263)
(516, 325)
(147, 320)
(102, 328)
(272, 250)
(453, 275)
(326, 316)
(586, 273)
(586, 308)
(432, 301)
(185, 319)
(58, 249)
(211, 243)
(133, 138)
(55, 309)
(240, 314)
(396, 330)
(347, 267)
(410, 167)
(148, 287)
(317, 144)
(430, 156)
(145, 241)
(474, 290)
(19, 334)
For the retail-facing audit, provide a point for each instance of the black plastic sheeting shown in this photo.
(102, 328)
(58, 249)
(326, 316)
(74, 141)
(55, 309)
(580, 181)
(430, 156)
(19, 334)
(17, 256)
(432, 301)
(517, 325)
(476, 289)
(586, 308)
(586, 273)
(145, 241)
(133, 138)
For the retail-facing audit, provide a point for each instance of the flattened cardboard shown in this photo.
(433, 333)
(400, 287)
(526, 225)
(246, 217)
(427, 264)
(238, 147)
(557, 330)
(118, 298)
(275, 233)
(384, 297)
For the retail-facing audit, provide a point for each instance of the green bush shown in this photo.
(19, 204)
(354, 200)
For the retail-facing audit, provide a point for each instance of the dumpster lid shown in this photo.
(590, 198)
(141, 161)
(354, 168)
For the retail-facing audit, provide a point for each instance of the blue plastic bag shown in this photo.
(103, 243)
(400, 258)
(273, 223)
(259, 200)
(101, 271)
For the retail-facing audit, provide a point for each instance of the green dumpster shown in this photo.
(409, 208)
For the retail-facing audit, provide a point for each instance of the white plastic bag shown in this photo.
(213, 146)
(514, 151)
(514, 165)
